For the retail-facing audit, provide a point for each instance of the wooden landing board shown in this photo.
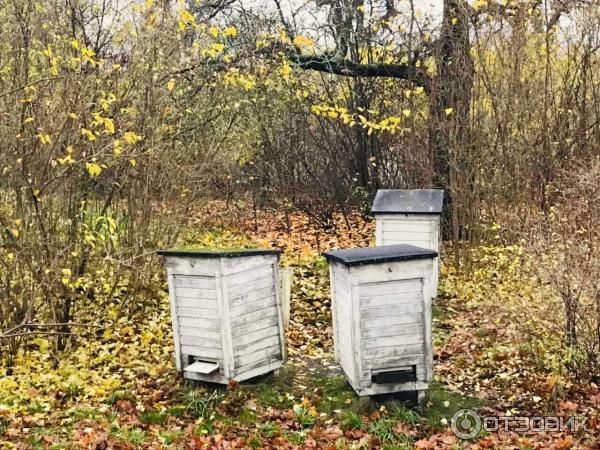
(203, 368)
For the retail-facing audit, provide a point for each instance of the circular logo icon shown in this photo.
(466, 424)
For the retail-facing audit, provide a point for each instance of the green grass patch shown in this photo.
(384, 430)
(295, 437)
(441, 404)
(169, 437)
(269, 429)
(128, 435)
(199, 403)
(152, 417)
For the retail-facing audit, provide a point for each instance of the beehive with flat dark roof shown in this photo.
(382, 317)
(226, 312)
(409, 216)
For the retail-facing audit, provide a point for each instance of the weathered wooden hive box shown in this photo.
(382, 317)
(226, 312)
(410, 216)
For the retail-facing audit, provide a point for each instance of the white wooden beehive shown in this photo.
(226, 313)
(382, 317)
(410, 216)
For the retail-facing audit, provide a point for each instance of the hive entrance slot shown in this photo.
(395, 376)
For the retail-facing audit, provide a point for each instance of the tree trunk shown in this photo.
(450, 101)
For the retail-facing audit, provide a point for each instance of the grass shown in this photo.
(441, 404)
(295, 437)
(128, 435)
(352, 421)
(151, 417)
(269, 429)
(200, 404)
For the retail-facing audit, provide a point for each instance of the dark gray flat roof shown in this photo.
(228, 253)
(408, 201)
(375, 255)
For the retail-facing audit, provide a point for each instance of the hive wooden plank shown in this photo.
(383, 301)
(257, 325)
(253, 316)
(259, 283)
(187, 302)
(254, 336)
(200, 342)
(389, 321)
(269, 302)
(199, 332)
(385, 287)
(266, 353)
(393, 341)
(395, 330)
(393, 310)
(207, 293)
(394, 352)
(408, 226)
(254, 347)
(259, 294)
(201, 352)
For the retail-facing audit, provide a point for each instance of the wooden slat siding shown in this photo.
(393, 310)
(199, 332)
(204, 293)
(268, 362)
(391, 321)
(254, 336)
(386, 287)
(356, 338)
(182, 266)
(252, 296)
(194, 282)
(394, 352)
(200, 313)
(408, 226)
(174, 320)
(200, 342)
(266, 353)
(382, 301)
(407, 235)
(393, 341)
(246, 288)
(253, 306)
(231, 266)
(395, 330)
(280, 312)
(186, 302)
(343, 301)
(253, 316)
(258, 325)
(246, 276)
(394, 229)
(202, 352)
(256, 346)
(428, 328)
(226, 339)
(376, 364)
(334, 312)
(201, 324)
